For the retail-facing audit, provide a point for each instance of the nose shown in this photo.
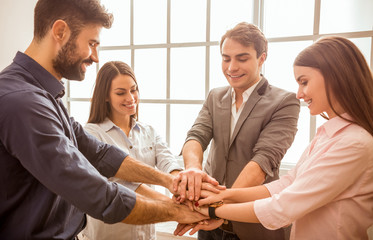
(94, 55)
(300, 93)
(233, 66)
(130, 97)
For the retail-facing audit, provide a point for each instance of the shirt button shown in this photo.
(150, 148)
(131, 147)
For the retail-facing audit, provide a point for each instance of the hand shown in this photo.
(204, 210)
(208, 197)
(190, 204)
(185, 215)
(206, 225)
(192, 179)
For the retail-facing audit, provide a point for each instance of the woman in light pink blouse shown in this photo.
(329, 193)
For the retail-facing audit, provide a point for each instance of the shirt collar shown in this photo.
(45, 79)
(107, 125)
(245, 95)
(335, 124)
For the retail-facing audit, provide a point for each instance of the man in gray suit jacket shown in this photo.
(251, 125)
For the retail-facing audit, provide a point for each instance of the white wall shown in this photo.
(16, 28)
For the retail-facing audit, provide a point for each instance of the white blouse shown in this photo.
(144, 144)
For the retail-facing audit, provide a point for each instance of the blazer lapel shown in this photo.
(255, 96)
(225, 118)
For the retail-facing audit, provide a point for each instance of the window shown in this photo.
(173, 47)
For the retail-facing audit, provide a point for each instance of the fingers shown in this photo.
(181, 229)
(212, 188)
(209, 179)
(175, 182)
(183, 186)
(188, 184)
(196, 228)
(197, 187)
(191, 188)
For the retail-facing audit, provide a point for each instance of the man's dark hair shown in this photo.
(247, 34)
(76, 13)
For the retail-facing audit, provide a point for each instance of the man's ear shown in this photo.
(262, 58)
(60, 31)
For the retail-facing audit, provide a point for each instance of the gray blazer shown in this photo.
(264, 131)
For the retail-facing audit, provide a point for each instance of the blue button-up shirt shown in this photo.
(51, 170)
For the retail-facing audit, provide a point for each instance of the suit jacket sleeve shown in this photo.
(277, 135)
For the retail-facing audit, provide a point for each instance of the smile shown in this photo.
(235, 76)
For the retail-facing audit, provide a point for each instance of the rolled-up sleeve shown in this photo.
(165, 160)
(44, 142)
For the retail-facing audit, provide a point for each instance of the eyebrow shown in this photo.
(133, 86)
(298, 78)
(238, 55)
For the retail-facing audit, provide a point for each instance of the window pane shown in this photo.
(302, 137)
(188, 73)
(80, 111)
(188, 21)
(119, 33)
(182, 119)
(288, 17)
(217, 78)
(154, 30)
(150, 70)
(114, 55)
(226, 14)
(154, 115)
(352, 15)
(84, 89)
(279, 64)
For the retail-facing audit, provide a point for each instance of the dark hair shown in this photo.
(76, 13)
(247, 34)
(348, 78)
(100, 108)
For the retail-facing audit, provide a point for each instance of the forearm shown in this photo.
(192, 154)
(251, 175)
(241, 195)
(240, 212)
(134, 171)
(148, 192)
(148, 211)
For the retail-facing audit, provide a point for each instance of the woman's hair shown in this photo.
(248, 35)
(348, 78)
(100, 107)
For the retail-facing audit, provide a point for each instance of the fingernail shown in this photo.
(196, 204)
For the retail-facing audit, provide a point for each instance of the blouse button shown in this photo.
(150, 148)
(131, 147)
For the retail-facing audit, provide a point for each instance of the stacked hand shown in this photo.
(196, 189)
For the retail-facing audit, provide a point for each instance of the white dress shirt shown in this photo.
(236, 113)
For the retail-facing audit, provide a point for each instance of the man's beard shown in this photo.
(67, 65)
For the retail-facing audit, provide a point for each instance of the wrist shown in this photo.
(212, 207)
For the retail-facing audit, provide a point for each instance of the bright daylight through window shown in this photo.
(173, 47)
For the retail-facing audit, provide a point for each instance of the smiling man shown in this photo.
(51, 171)
(251, 124)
